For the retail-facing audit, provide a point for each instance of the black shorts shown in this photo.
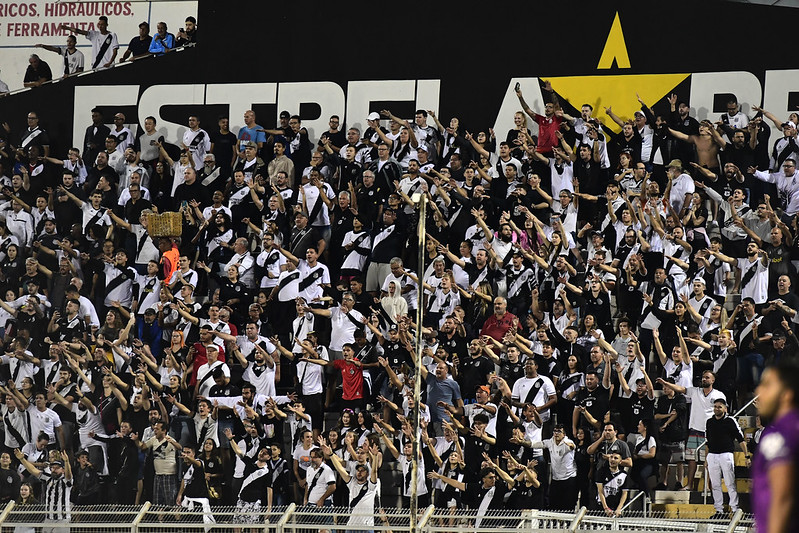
(314, 407)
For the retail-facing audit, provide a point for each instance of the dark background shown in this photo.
(473, 51)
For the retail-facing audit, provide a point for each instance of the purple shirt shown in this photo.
(779, 444)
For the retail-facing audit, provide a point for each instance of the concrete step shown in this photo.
(691, 499)
(743, 486)
(672, 497)
(684, 510)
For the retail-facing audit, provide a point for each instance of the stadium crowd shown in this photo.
(595, 303)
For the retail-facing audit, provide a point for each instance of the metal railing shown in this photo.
(91, 71)
(149, 518)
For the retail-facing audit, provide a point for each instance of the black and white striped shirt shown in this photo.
(56, 494)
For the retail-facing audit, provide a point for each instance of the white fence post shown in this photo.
(282, 522)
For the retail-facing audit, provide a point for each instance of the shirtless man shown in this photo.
(707, 142)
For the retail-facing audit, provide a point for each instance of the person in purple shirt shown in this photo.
(776, 466)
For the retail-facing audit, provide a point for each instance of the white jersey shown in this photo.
(317, 208)
(92, 217)
(701, 406)
(271, 261)
(523, 387)
(362, 513)
(198, 143)
(43, 421)
(103, 48)
(754, 279)
(310, 375)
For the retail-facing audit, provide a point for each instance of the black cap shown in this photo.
(285, 114)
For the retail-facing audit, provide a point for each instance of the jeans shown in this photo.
(750, 366)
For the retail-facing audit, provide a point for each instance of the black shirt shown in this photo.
(595, 402)
(139, 47)
(33, 74)
(638, 408)
(511, 372)
(455, 345)
(613, 485)
(223, 144)
(674, 432)
(495, 493)
(195, 191)
(472, 373)
(721, 434)
(195, 482)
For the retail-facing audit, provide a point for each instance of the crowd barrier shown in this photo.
(149, 518)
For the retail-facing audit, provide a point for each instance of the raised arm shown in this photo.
(615, 118)
(679, 135)
(71, 196)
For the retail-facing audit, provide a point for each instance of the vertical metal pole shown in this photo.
(417, 388)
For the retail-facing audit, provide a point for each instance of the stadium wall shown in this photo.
(351, 58)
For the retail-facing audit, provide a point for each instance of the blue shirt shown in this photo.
(251, 134)
(160, 46)
(438, 390)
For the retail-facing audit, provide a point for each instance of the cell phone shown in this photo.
(518, 86)
(184, 204)
(152, 143)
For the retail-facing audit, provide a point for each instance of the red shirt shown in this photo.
(498, 327)
(352, 378)
(201, 357)
(546, 132)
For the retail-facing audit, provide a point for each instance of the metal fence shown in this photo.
(293, 519)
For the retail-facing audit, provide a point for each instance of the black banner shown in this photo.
(353, 58)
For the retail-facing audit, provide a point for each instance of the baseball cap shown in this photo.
(250, 144)
(675, 163)
(149, 311)
(421, 148)
(285, 114)
(373, 116)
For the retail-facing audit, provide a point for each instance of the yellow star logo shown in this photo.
(617, 91)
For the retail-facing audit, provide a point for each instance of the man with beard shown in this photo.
(196, 140)
(658, 308)
(775, 499)
(534, 389)
(99, 170)
(787, 185)
(281, 163)
(210, 174)
(702, 399)
(754, 272)
(778, 251)
(681, 121)
(472, 371)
